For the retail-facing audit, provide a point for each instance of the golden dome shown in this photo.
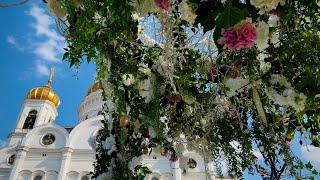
(45, 92)
(95, 87)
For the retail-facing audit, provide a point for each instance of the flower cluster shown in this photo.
(221, 79)
(242, 35)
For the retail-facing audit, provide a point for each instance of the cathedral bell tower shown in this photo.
(39, 108)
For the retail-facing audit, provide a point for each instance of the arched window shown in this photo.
(84, 178)
(30, 120)
(38, 177)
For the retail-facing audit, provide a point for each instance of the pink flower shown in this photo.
(174, 97)
(242, 35)
(213, 72)
(163, 4)
(235, 74)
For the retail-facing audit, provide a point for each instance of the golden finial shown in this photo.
(50, 76)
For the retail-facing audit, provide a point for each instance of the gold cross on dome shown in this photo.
(51, 76)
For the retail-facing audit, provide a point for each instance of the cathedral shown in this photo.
(39, 149)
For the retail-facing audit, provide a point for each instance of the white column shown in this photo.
(65, 162)
(176, 171)
(18, 163)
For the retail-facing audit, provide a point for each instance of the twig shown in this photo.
(14, 4)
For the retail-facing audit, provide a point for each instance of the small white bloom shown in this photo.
(187, 13)
(145, 89)
(263, 36)
(110, 144)
(262, 56)
(128, 79)
(266, 5)
(135, 16)
(288, 97)
(97, 17)
(144, 69)
(162, 66)
(264, 67)
(273, 20)
(275, 39)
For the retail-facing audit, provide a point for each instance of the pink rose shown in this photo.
(163, 4)
(242, 35)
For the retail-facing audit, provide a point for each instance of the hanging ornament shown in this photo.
(124, 120)
(145, 150)
(56, 8)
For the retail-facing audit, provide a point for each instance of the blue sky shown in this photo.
(29, 46)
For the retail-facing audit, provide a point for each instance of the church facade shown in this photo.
(39, 149)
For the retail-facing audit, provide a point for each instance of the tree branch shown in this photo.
(14, 4)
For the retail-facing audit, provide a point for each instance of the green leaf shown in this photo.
(228, 18)
(309, 165)
(206, 13)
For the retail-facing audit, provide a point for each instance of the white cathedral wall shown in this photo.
(4, 174)
(35, 160)
(82, 161)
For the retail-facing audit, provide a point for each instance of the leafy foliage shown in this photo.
(169, 83)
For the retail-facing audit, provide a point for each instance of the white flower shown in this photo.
(128, 79)
(110, 144)
(222, 104)
(152, 132)
(223, 1)
(263, 36)
(187, 13)
(266, 5)
(288, 97)
(135, 16)
(235, 85)
(275, 39)
(144, 69)
(273, 20)
(262, 56)
(145, 89)
(97, 17)
(264, 67)
(162, 66)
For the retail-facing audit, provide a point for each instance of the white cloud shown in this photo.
(312, 154)
(2, 143)
(42, 69)
(49, 48)
(12, 41)
(43, 24)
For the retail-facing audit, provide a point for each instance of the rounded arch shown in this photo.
(85, 175)
(82, 135)
(51, 175)
(72, 175)
(154, 176)
(34, 137)
(24, 174)
(38, 175)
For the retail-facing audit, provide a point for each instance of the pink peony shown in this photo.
(242, 35)
(163, 4)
